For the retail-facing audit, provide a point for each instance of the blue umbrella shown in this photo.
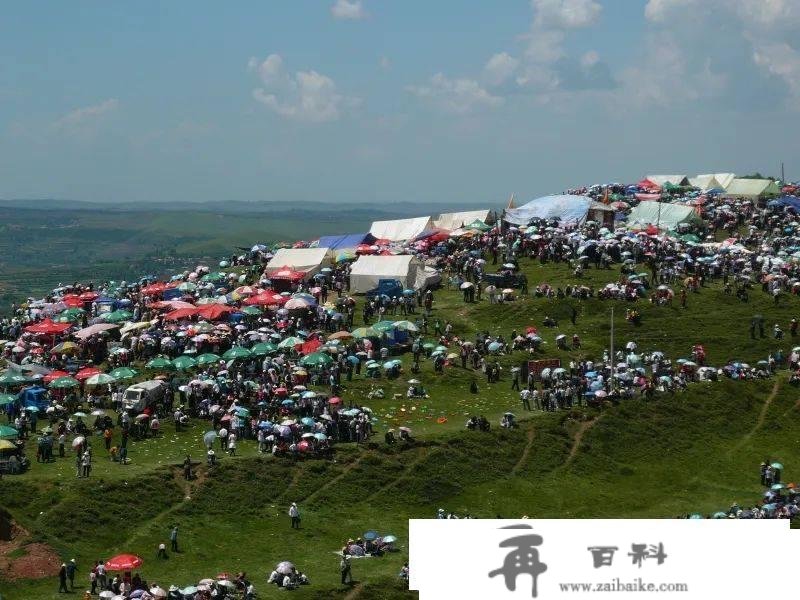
(265, 425)
(287, 402)
(307, 421)
(370, 535)
(353, 360)
(320, 436)
(494, 346)
(408, 292)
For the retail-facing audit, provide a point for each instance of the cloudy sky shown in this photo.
(385, 101)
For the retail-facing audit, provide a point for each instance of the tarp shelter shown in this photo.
(348, 241)
(34, 396)
(601, 213)
(660, 180)
(662, 215)
(369, 269)
(710, 181)
(456, 220)
(784, 202)
(752, 189)
(400, 230)
(306, 260)
(566, 208)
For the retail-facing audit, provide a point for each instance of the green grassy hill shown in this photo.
(696, 451)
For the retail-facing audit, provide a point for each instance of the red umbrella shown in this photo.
(303, 446)
(335, 400)
(287, 273)
(47, 327)
(212, 312)
(154, 288)
(181, 313)
(52, 375)
(89, 296)
(87, 372)
(73, 301)
(124, 562)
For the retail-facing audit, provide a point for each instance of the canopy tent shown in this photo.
(710, 181)
(369, 269)
(348, 241)
(305, 260)
(400, 230)
(662, 215)
(455, 220)
(752, 189)
(565, 208)
(785, 201)
(660, 180)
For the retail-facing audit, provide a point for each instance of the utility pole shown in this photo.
(783, 176)
(611, 353)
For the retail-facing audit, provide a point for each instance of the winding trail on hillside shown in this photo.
(761, 417)
(349, 467)
(525, 452)
(576, 443)
(406, 472)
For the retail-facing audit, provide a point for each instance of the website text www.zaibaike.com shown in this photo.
(622, 585)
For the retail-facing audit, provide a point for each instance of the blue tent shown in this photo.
(350, 240)
(566, 208)
(784, 201)
(34, 396)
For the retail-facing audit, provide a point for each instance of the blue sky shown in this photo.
(386, 101)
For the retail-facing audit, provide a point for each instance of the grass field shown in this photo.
(693, 451)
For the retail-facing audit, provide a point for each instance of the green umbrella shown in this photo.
(118, 316)
(207, 359)
(365, 332)
(123, 373)
(160, 363)
(7, 432)
(237, 352)
(187, 286)
(253, 311)
(12, 378)
(184, 362)
(100, 379)
(63, 383)
(316, 359)
(290, 342)
(264, 348)
(7, 399)
(213, 276)
(406, 326)
(777, 465)
(383, 326)
(71, 315)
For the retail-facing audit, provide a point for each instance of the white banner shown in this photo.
(584, 558)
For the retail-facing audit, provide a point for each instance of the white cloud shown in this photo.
(659, 10)
(590, 59)
(86, 115)
(499, 68)
(352, 10)
(302, 96)
(565, 14)
(782, 61)
(455, 96)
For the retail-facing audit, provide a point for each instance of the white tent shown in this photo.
(709, 181)
(662, 214)
(455, 220)
(367, 270)
(752, 188)
(307, 260)
(400, 230)
(661, 180)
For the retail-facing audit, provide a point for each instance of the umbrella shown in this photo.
(316, 359)
(777, 465)
(290, 342)
(383, 326)
(65, 348)
(778, 486)
(406, 326)
(184, 362)
(284, 567)
(365, 332)
(370, 535)
(7, 432)
(118, 316)
(236, 353)
(63, 383)
(320, 436)
(207, 359)
(7, 399)
(188, 590)
(123, 373)
(263, 349)
(161, 364)
(158, 592)
(10, 378)
(466, 285)
(100, 379)
(79, 414)
(209, 437)
(389, 539)
(124, 562)
(106, 594)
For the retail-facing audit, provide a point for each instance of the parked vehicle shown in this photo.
(141, 395)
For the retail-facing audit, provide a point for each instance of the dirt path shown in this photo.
(525, 452)
(355, 592)
(406, 472)
(576, 443)
(761, 417)
(20, 559)
(333, 481)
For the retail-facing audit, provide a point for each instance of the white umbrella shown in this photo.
(158, 592)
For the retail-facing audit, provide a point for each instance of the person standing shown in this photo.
(294, 513)
(173, 538)
(62, 579)
(344, 568)
(187, 468)
(102, 581)
(71, 568)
